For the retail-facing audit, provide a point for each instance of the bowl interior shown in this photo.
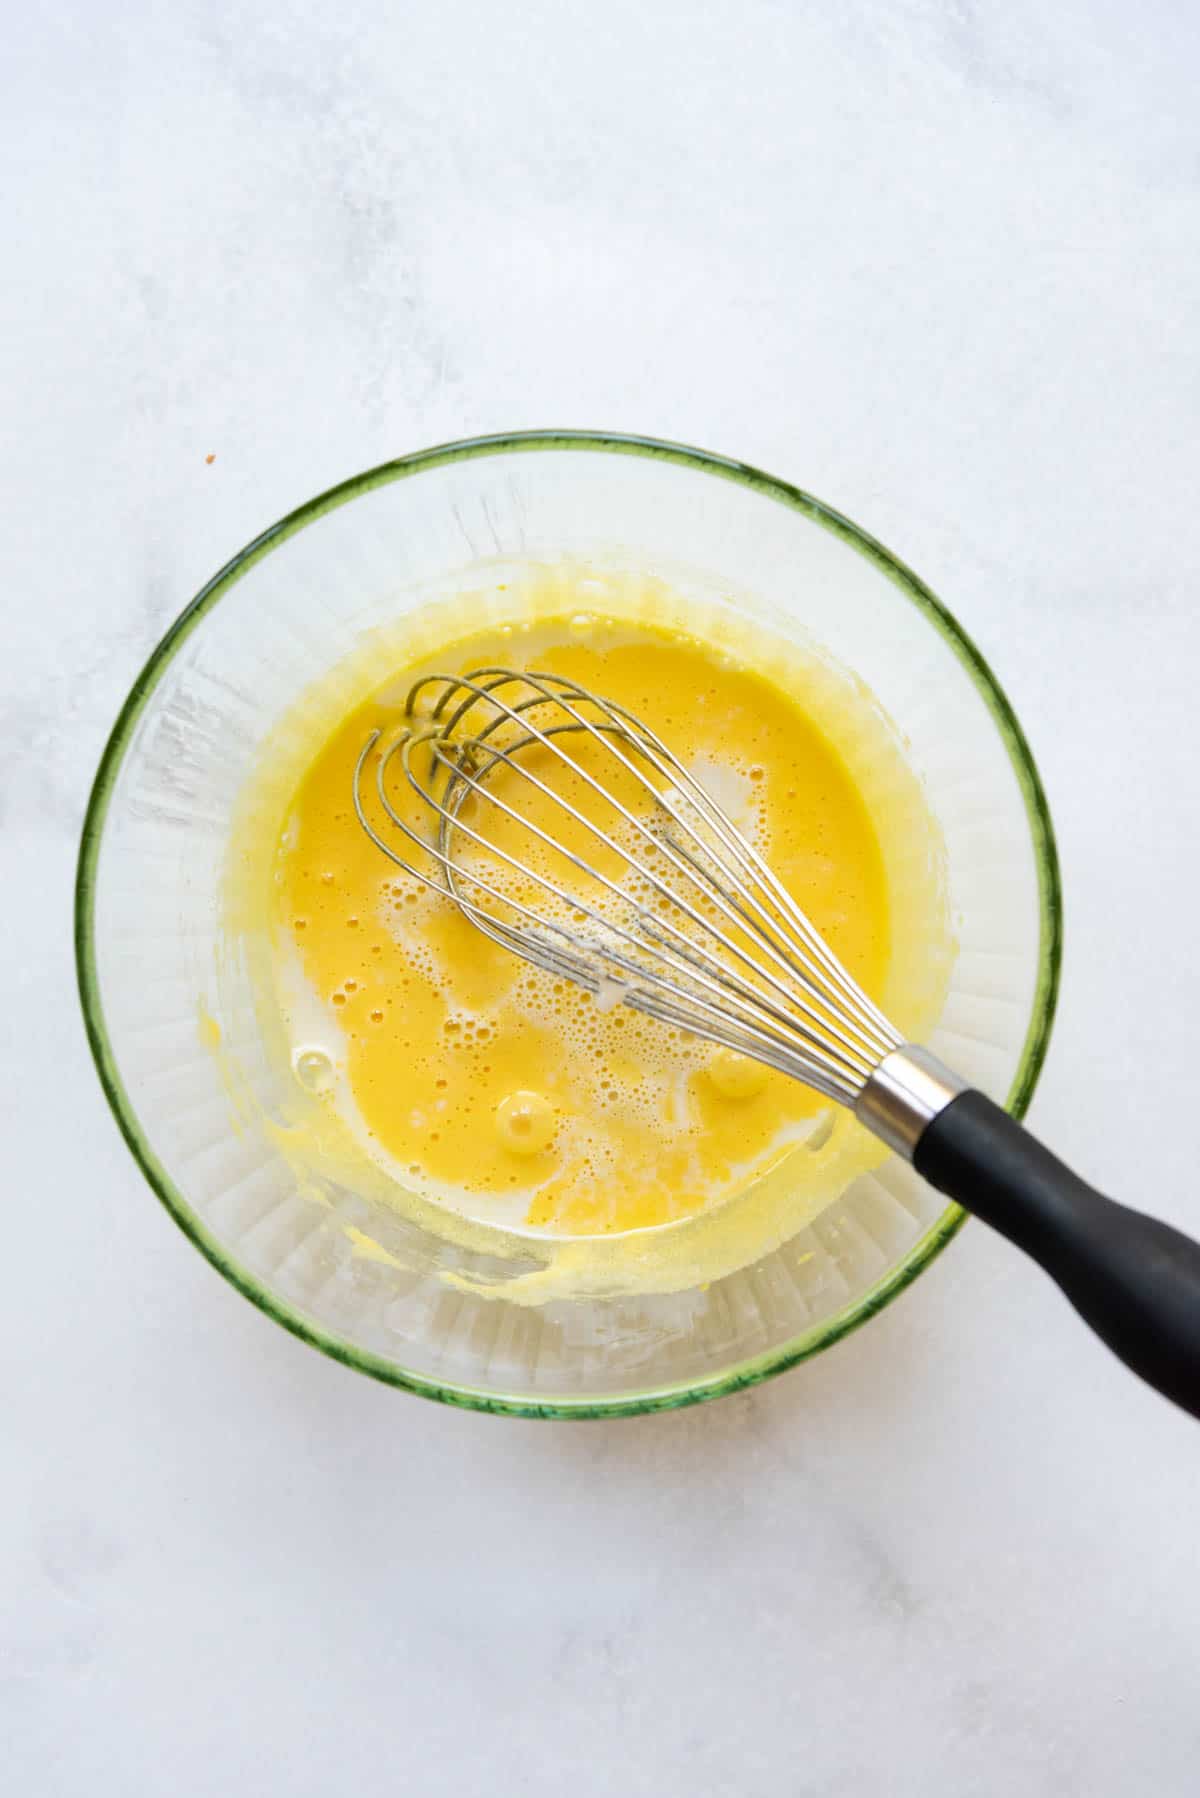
(273, 622)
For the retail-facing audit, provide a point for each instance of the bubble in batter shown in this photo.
(525, 1123)
(313, 1069)
(736, 1076)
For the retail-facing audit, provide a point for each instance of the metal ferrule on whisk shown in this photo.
(904, 1094)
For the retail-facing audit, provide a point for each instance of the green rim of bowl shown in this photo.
(746, 1373)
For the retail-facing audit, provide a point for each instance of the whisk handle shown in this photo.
(1135, 1280)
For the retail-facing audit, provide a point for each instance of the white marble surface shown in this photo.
(934, 259)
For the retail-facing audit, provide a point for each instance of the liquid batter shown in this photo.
(443, 1078)
(517, 1094)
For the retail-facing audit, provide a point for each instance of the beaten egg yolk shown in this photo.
(514, 1096)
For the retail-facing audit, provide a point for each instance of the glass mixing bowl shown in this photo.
(276, 619)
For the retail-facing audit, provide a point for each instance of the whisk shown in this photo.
(565, 829)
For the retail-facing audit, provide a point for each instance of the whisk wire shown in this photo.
(669, 937)
(679, 1006)
(780, 995)
(555, 690)
(681, 953)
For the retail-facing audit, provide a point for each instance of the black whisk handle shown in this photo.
(1134, 1279)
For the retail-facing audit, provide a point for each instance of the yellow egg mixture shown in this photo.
(484, 1089)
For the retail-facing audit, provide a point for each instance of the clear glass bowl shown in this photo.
(290, 606)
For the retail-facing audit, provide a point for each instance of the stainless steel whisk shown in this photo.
(674, 913)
